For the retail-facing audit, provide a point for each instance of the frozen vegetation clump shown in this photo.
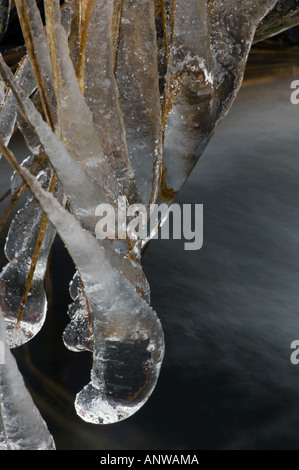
(114, 98)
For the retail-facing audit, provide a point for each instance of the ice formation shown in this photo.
(21, 425)
(114, 99)
(24, 233)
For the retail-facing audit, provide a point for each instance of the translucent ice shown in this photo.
(203, 77)
(21, 425)
(8, 115)
(284, 15)
(139, 97)
(128, 344)
(35, 39)
(78, 335)
(188, 94)
(101, 92)
(25, 315)
(25, 77)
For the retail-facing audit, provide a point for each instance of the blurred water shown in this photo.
(230, 311)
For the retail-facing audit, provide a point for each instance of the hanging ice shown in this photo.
(128, 346)
(24, 307)
(25, 77)
(138, 82)
(21, 425)
(78, 336)
(284, 15)
(210, 43)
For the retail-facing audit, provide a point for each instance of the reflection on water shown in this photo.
(270, 63)
(230, 311)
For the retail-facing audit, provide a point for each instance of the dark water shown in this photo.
(230, 311)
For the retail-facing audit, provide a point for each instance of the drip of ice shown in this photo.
(127, 356)
(24, 76)
(208, 53)
(8, 116)
(123, 353)
(188, 93)
(101, 92)
(21, 425)
(284, 15)
(32, 27)
(19, 249)
(78, 335)
(128, 346)
(139, 97)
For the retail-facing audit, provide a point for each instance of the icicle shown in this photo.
(25, 316)
(101, 93)
(78, 335)
(8, 115)
(284, 15)
(208, 54)
(128, 338)
(231, 41)
(139, 97)
(203, 53)
(21, 425)
(188, 95)
(35, 39)
(79, 133)
(25, 78)
(84, 197)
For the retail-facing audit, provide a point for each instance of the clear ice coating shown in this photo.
(128, 340)
(8, 116)
(203, 76)
(283, 16)
(101, 91)
(131, 91)
(139, 98)
(21, 425)
(22, 240)
(78, 335)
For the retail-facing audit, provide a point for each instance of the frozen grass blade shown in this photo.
(139, 96)
(25, 78)
(210, 46)
(23, 298)
(101, 92)
(128, 338)
(38, 51)
(85, 197)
